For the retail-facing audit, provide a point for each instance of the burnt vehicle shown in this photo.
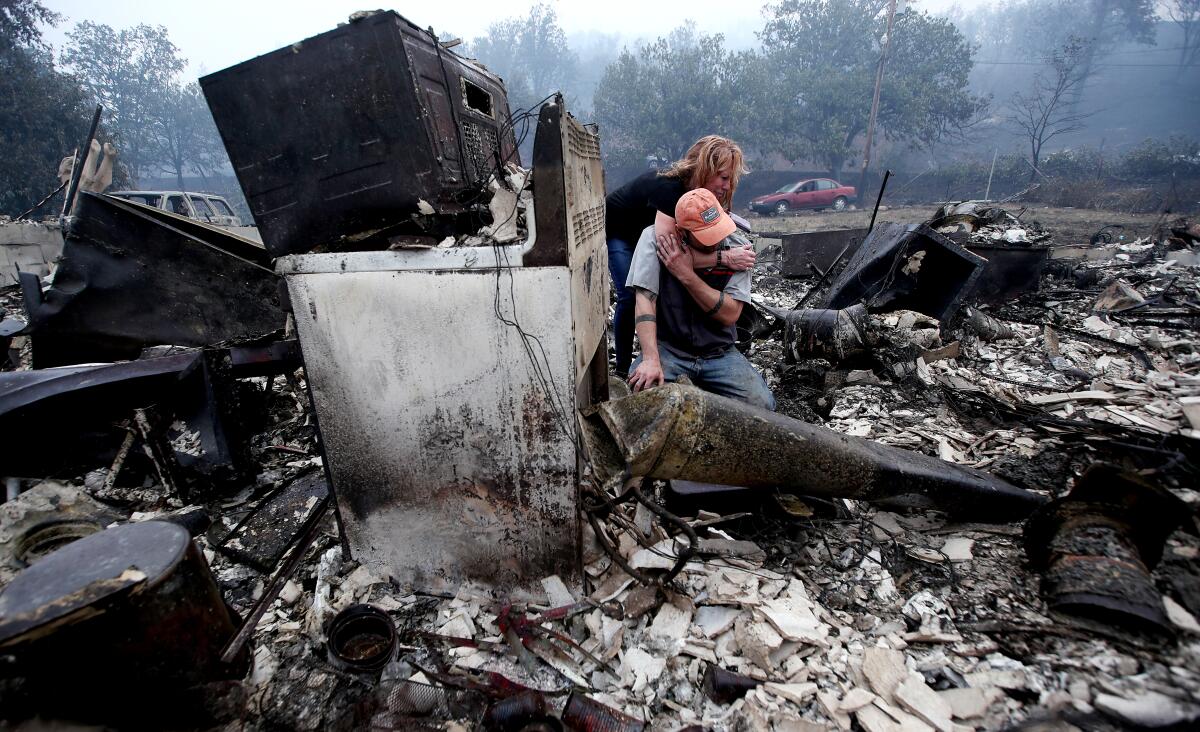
(812, 193)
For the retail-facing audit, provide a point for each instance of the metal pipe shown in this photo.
(887, 174)
(12, 488)
(988, 193)
(77, 169)
(678, 431)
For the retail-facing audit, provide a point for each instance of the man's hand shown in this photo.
(739, 258)
(647, 374)
(675, 256)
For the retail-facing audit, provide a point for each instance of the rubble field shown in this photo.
(1067, 225)
(770, 610)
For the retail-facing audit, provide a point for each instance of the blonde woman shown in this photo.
(714, 163)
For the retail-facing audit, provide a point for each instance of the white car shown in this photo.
(206, 207)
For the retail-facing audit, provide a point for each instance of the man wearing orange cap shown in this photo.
(685, 319)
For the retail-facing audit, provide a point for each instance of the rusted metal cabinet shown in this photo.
(446, 384)
(343, 135)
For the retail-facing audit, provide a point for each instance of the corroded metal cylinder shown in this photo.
(131, 607)
(1097, 545)
(678, 431)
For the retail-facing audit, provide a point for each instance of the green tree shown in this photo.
(1186, 15)
(184, 138)
(823, 57)
(666, 95)
(21, 21)
(133, 73)
(531, 55)
(42, 111)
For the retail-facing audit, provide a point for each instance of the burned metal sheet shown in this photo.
(817, 248)
(344, 135)
(677, 431)
(129, 278)
(83, 406)
(262, 538)
(1097, 545)
(1010, 272)
(899, 267)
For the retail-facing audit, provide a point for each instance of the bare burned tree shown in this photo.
(1186, 15)
(1047, 110)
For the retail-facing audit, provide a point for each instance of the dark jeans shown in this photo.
(729, 374)
(620, 253)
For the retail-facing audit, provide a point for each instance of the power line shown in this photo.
(1100, 64)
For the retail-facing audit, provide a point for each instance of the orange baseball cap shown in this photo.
(699, 212)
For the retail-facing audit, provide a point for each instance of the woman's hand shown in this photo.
(739, 258)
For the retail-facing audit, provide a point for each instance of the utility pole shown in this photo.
(887, 44)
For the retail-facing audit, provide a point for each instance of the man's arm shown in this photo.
(678, 259)
(649, 371)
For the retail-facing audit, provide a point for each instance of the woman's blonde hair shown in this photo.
(707, 157)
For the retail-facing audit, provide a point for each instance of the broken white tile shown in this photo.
(795, 620)
(884, 670)
(830, 705)
(966, 703)
(1012, 679)
(638, 668)
(692, 647)
(906, 722)
(1148, 709)
(795, 693)
(671, 623)
(756, 640)
(856, 699)
(729, 586)
(958, 548)
(785, 651)
(557, 592)
(1179, 616)
(616, 583)
(714, 620)
(915, 696)
(872, 719)
(661, 556)
(290, 593)
(884, 526)
(459, 625)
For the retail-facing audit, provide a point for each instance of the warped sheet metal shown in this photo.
(132, 276)
(817, 248)
(901, 267)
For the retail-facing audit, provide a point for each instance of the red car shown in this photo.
(815, 193)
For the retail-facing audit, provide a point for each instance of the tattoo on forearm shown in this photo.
(644, 319)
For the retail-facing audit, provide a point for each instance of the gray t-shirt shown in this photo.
(645, 269)
(682, 323)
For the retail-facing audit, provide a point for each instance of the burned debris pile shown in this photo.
(374, 474)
